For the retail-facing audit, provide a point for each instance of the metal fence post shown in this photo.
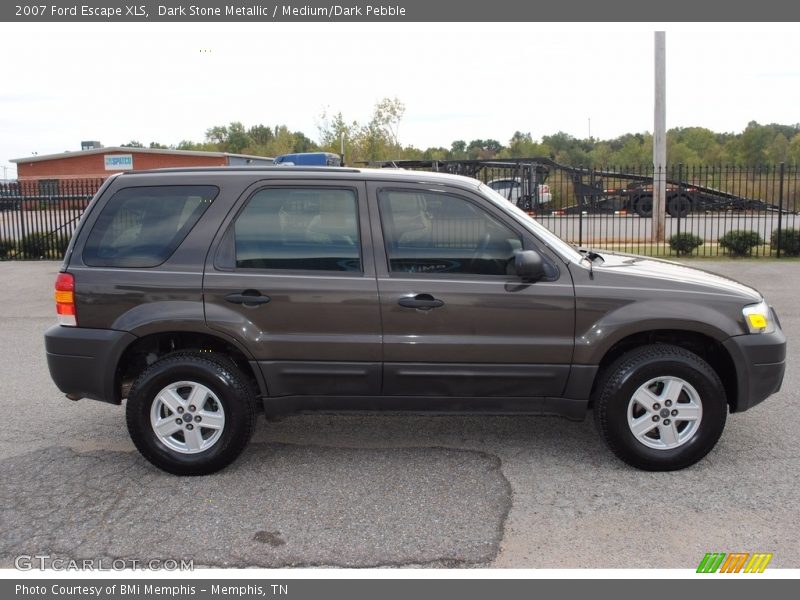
(580, 222)
(22, 248)
(780, 210)
(679, 198)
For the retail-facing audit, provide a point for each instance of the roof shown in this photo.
(128, 150)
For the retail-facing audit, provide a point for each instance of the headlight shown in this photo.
(758, 318)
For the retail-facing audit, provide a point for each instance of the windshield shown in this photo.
(548, 237)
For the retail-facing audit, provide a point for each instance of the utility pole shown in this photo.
(660, 140)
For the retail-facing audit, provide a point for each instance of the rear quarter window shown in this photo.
(143, 226)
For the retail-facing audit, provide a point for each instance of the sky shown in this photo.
(164, 82)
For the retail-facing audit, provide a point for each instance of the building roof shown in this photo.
(128, 150)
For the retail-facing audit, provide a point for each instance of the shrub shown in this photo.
(43, 245)
(685, 243)
(790, 242)
(6, 248)
(740, 242)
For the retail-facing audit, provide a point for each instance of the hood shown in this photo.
(666, 274)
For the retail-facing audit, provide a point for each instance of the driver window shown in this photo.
(430, 232)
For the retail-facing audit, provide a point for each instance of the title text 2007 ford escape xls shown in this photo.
(205, 295)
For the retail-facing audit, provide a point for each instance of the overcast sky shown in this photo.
(63, 83)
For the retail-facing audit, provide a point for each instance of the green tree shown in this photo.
(429, 154)
(458, 150)
(283, 142)
(679, 153)
(229, 138)
(778, 149)
(196, 146)
(636, 150)
(302, 143)
(522, 145)
(602, 155)
(753, 144)
(698, 141)
(559, 143)
(388, 114)
(260, 134)
(793, 154)
(379, 138)
(332, 129)
(484, 149)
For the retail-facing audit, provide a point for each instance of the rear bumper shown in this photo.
(760, 361)
(83, 362)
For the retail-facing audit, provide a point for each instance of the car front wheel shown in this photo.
(660, 407)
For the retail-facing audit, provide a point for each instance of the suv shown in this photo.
(205, 296)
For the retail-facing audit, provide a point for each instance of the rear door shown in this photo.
(292, 277)
(456, 321)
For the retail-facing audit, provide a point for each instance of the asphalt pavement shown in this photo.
(374, 491)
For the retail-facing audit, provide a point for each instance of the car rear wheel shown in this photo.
(191, 413)
(660, 408)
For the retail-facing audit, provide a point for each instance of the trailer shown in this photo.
(682, 197)
(589, 189)
(521, 181)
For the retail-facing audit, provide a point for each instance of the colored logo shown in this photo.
(735, 562)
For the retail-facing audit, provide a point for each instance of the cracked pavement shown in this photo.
(389, 490)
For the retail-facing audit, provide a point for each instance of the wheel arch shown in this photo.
(145, 350)
(703, 345)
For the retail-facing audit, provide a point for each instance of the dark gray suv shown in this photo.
(205, 296)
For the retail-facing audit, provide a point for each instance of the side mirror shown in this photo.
(529, 265)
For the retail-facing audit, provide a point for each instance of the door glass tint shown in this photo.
(143, 226)
(309, 229)
(428, 232)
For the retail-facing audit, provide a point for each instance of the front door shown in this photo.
(457, 321)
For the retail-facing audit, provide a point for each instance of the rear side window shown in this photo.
(143, 226)
(307, 229)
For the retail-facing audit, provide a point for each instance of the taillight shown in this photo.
(65, 299)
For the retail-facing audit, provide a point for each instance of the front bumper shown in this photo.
(760, 361)
(83, 362)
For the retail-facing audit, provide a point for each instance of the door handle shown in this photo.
(421, 302)
(248, 298)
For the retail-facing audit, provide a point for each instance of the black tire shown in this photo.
(644, 206)
(679, 206)
(660, 364)
(230, 398)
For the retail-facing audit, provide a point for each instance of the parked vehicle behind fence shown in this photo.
(511, 190)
